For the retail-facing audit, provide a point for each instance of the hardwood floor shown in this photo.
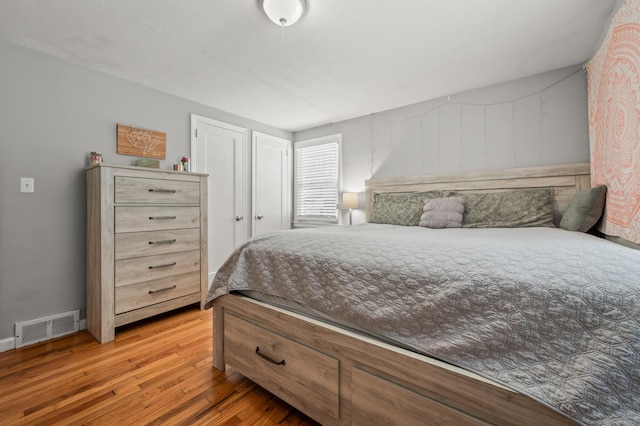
(156, 371)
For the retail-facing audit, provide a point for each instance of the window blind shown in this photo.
(317, 181)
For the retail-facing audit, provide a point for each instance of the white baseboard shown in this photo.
(7, 344)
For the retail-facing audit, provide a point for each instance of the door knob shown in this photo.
(239, 218)
(259, 217)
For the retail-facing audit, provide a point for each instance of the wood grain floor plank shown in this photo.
(156, 371)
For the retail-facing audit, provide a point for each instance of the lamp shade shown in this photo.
(284, 12)
(350, 200)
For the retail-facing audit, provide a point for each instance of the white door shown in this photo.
(219, 149)
(271, 183)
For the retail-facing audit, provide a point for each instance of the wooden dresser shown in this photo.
(146, 244)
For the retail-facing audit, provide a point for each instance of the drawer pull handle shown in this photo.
(162, 289)
(265, 357)
(163, 266)
(172, 191)
(161, 217)
(163, 242)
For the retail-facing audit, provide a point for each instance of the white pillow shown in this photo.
(445, 212)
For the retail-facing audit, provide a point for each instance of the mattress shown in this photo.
(549, 313)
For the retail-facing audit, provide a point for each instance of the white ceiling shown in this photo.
(344, 59)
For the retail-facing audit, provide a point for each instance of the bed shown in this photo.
(386, 324)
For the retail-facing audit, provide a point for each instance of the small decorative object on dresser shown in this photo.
(147, 162)
(146, 244)
(95, 158)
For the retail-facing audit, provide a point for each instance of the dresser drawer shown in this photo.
(131, 271)
(140, 244)
(130, 190)
(140, 295)
(306, 378)
(156, 218)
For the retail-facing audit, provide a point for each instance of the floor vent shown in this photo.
(38, 330)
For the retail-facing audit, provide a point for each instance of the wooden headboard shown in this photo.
(566, 180)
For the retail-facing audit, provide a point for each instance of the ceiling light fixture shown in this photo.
(284, 12)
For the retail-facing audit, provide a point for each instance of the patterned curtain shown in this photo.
(614, 122)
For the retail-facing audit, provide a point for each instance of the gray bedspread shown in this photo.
(550, 313)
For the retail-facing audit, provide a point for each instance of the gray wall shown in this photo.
(538, 120)
(52, 114)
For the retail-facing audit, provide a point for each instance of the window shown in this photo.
(317, 180)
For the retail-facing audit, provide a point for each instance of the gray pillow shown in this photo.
(585, 209)
(520, 208)
(443, 213)
(400, 208)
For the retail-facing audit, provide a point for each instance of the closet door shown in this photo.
(271, 184)
(220, 150)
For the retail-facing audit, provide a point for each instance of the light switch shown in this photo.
(26, 185)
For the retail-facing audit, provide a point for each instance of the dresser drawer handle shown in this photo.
(163, 242)
(161, 217)
(163, 266)
(162, 289)
(271, 360)
(172, 191)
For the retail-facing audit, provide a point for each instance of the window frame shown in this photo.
(317, 221)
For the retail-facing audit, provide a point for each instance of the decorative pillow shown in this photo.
(443, 213)
(585, 210)
(519, 208)
(400, 208)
